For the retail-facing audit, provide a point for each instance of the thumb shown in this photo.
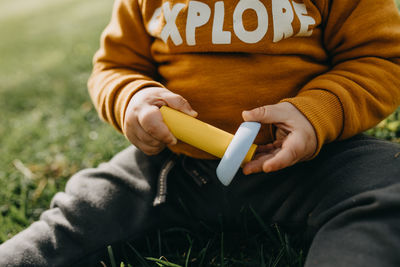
(267, 114)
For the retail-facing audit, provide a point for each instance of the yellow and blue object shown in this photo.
(234, 150)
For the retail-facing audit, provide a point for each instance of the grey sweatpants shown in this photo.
(347, 200)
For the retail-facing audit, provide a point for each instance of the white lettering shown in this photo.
(198, 15)
(155, 23)
(262, 17)
(305, 21)
(170, 29)
(283, 17)
(219, 36)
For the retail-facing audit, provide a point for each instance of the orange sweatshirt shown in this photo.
(337, 61)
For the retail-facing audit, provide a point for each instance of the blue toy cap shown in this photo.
(237, 151)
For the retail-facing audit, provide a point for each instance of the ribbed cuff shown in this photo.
(324, 111)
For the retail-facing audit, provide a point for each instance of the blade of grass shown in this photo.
(301, 258)
(279, 235)
(203, 252)
(140, 258)
(163, 262)
(262, 255)
(290, 254)
(266, 228)
(189, 251)
(111, 255)
(278, 258)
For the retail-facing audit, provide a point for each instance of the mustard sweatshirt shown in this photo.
(337, 61)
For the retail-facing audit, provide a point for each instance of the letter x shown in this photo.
(170, 28)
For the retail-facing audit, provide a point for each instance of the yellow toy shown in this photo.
(233, 149)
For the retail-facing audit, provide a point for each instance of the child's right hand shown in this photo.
(144, 126)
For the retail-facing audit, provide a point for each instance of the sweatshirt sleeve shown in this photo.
(362, 87)
(123, 64)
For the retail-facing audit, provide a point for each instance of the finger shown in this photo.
(150, 119)
(142, 140)
(146, 138)
(278, 143)
(177, 102)
(150, 150)
(130, 127)
(265, 148)
(263, 153)
(287, 156)
(135, 133)
(281, 134)
(267, 114)
(146, 148)
(256, 165)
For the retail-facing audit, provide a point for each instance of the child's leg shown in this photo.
(347, 200)
(357, 222)
(99, 206)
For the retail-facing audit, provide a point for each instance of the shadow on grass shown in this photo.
(265, 246)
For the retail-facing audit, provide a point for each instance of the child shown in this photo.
(316, 73)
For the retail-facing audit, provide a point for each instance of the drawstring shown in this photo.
(195, 172)
(162, 180)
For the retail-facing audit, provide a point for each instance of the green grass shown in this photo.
(178, 247)
(49, 130)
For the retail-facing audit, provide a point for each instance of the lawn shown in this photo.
(49, 128)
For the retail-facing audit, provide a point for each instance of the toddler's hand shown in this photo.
(295, 138)
(144, 126)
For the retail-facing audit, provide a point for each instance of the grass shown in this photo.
(49, 130)
(268, 247)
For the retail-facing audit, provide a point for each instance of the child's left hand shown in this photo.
(295, 138)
